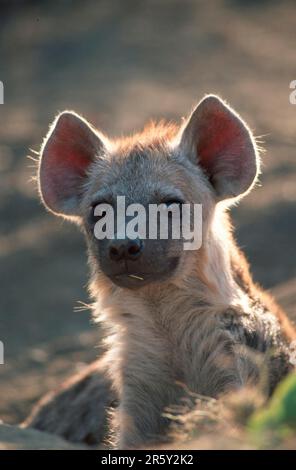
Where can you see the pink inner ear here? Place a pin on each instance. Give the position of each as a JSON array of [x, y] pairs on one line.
[[73, 144], [219, 142], [74, 160]]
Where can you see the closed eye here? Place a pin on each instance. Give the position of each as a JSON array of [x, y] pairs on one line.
[[170, 202], [93, 218]]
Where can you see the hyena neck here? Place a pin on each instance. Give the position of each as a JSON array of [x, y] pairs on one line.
[[218, 276]]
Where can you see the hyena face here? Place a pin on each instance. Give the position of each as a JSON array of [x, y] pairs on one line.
[[210, 158], [145, 176]]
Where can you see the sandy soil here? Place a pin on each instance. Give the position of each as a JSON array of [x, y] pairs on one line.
[[120, 63]]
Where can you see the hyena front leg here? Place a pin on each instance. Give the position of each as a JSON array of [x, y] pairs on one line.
[[140, 419], [148, 389]]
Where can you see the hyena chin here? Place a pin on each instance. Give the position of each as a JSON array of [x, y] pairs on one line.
[[181, 321]]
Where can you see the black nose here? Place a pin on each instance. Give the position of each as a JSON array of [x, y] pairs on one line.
[[125, 249]]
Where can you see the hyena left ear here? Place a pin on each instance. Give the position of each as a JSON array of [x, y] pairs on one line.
[[67, 153], [218, 140]]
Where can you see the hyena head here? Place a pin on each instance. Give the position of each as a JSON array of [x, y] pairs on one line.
[[210, 158]]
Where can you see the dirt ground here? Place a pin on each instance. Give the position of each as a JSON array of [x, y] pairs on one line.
[[119, 63]]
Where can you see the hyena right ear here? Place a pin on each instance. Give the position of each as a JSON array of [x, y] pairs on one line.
[[220, 142], [66, 154]]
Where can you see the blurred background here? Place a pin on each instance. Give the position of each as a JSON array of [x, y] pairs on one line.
[[119, 63]]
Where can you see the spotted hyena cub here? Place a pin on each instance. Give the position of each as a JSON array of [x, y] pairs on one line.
[[177, 319]]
